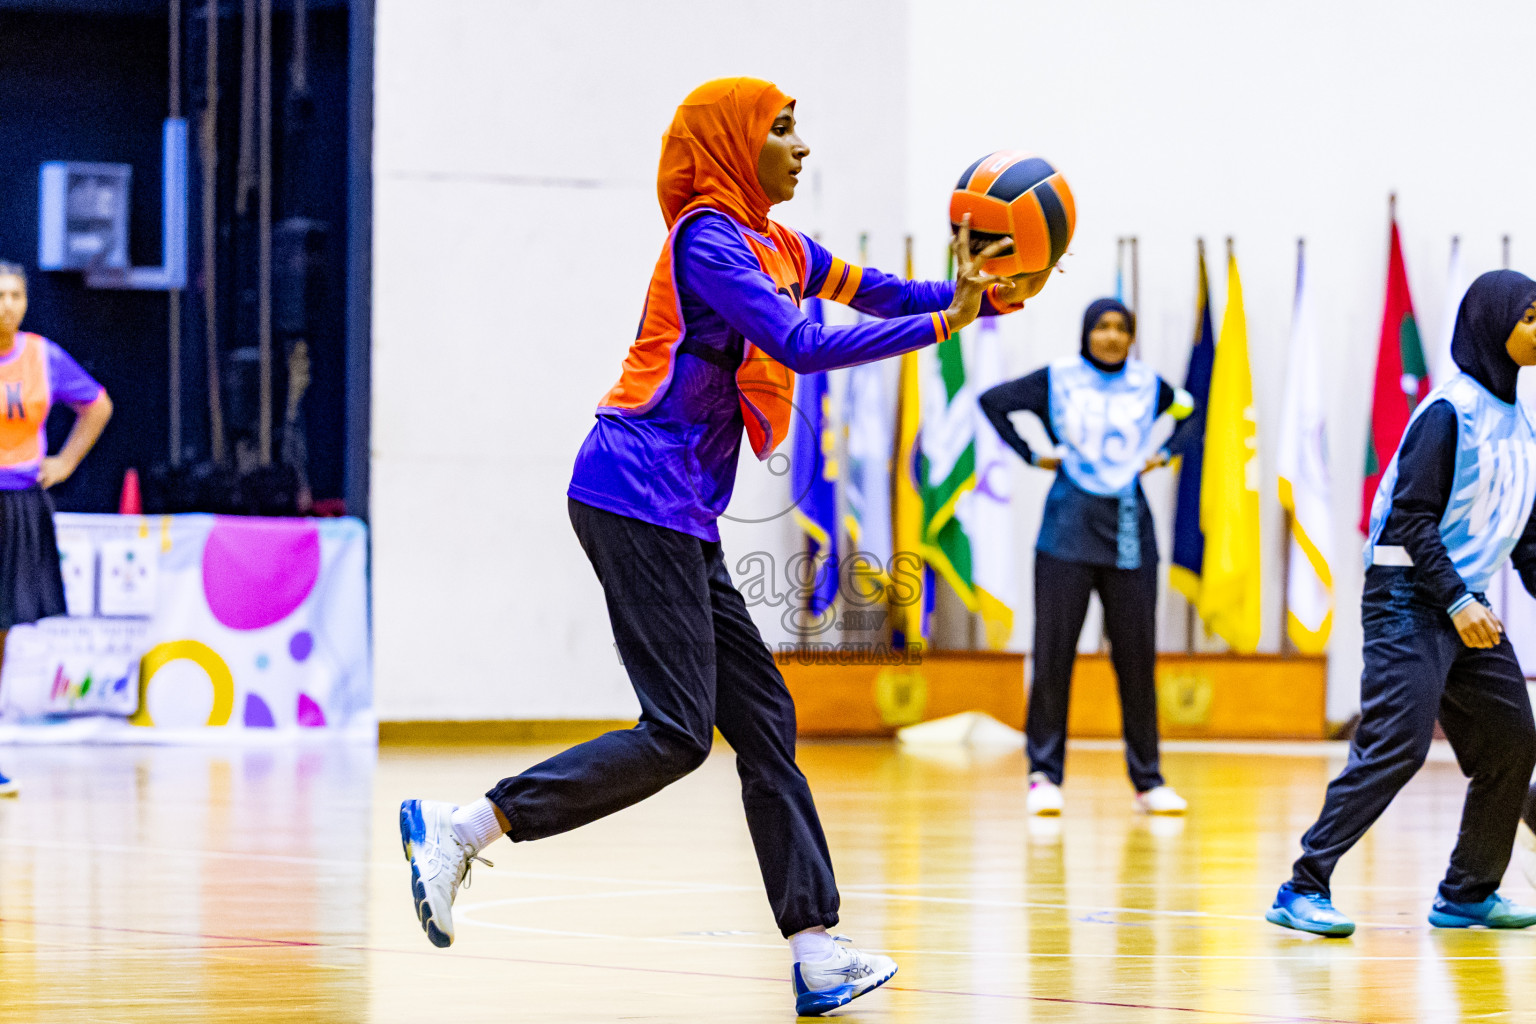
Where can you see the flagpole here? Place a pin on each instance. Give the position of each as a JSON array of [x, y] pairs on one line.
[[1506, 252], [1136, 290], [1226, 303], [1287, 645], [1135, 274], [1189, 606]]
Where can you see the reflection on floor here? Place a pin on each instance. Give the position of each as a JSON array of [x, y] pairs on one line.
[[155, 884]]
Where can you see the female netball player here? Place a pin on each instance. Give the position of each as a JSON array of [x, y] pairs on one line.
[[34, 374], [1099, 408], [720, 339], [1454, 503]]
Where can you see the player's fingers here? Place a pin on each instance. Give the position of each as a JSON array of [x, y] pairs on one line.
[[993, 249], [965, 241]]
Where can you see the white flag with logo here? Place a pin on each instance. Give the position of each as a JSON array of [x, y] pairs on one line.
[[1304, 477], [985, 510], [871, 419]]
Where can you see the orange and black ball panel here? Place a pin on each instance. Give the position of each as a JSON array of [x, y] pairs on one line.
[[1016, 194]]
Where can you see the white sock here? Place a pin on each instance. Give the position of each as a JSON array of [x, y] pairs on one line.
[[811, 944], [476, 825]]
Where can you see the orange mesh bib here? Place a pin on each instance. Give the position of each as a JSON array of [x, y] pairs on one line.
[[766, 386], [24, 402]]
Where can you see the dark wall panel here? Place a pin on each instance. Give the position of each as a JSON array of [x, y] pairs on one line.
[[88, 82]]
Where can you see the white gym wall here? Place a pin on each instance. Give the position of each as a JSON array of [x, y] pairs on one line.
[[510, 262]]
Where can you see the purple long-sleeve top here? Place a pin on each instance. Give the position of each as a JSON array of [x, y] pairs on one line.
[[675, 464]]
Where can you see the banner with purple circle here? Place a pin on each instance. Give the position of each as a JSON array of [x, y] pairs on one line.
[[236, 623]]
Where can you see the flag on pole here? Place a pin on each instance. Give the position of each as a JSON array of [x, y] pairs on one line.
[[813, 476], [906, 565], [1188, 541], [870, 422], [1229, 486], [1402, 380], [871, 427], [986, 511], [947, 463], [1304, 477], [1441, 366]]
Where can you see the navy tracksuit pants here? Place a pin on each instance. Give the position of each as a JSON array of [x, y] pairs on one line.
[[696, 661], [1129, 596], [1417, 668]]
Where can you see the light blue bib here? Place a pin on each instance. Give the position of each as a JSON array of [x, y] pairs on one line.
[[1494, 486], [1104, 421]]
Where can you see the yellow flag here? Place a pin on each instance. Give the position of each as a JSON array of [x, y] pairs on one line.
[[905, 592], [906, 568], [1229, 486]]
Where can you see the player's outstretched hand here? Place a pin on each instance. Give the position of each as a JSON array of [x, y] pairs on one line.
[[1478, 626], [971, 282]]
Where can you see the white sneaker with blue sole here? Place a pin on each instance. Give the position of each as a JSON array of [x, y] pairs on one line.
[[440, 863], [822, 985]]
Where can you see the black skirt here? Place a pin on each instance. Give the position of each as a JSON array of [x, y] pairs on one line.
[[31, 585]]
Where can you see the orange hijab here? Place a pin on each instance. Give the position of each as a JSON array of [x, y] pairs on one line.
[[709, 153]]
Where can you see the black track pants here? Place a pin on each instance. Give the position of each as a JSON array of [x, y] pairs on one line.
[[696, 662], [1129, 597], [1417, 668]]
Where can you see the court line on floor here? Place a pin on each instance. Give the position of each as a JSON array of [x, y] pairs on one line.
[[898, 897], [393, 865], [666, 886], [462, 916], [256, 942]]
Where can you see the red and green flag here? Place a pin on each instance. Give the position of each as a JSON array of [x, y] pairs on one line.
[[1402, 379]]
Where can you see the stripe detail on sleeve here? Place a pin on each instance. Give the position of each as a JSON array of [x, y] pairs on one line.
[[842, 282], [1183, 404], [940, 327], [999, 305]]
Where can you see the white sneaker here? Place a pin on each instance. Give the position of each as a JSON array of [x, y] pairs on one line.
[[1161, 800], [439, 864], [1044, 795], [1525, 851], [822, 985]]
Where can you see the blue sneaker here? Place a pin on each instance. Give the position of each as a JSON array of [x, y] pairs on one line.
[[9, 787], [439, 865], [822, 985], [1308, 912], [1493, 912]]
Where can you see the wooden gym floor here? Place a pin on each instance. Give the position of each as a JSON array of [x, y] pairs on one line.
[[157, 884]]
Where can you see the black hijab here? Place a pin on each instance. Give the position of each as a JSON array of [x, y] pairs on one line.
[[1491, 309], [1096, 309]]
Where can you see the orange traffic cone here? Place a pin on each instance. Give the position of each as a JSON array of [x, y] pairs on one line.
[[130, 504]]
